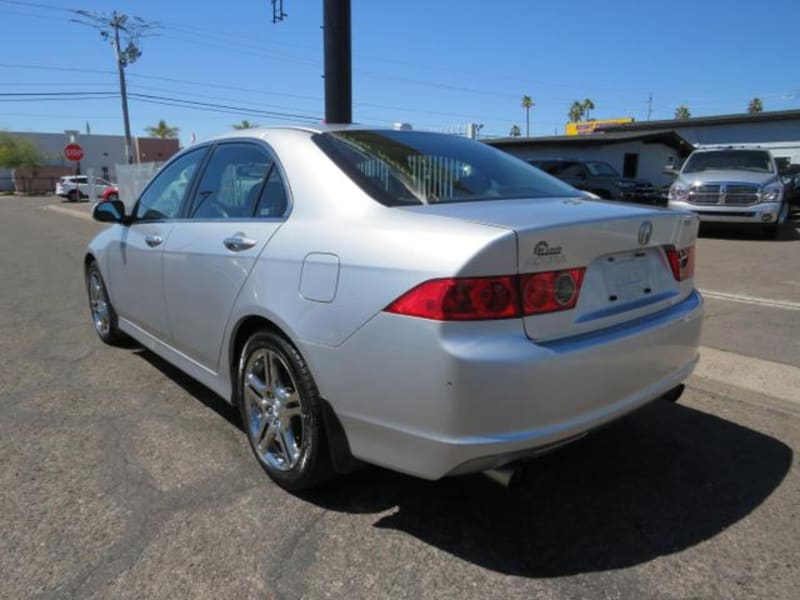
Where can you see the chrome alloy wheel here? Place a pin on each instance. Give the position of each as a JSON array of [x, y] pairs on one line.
[[274, 410], [98, 302]]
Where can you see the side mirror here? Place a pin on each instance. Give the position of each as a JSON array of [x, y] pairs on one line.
[[110, 211], [670, 170]]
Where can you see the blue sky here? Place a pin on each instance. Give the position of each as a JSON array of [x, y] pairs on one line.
[[435, 64]]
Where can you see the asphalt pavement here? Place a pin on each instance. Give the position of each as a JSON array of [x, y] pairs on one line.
[[121, 477]]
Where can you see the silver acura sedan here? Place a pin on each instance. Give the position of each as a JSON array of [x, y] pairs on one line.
[[413, 300]]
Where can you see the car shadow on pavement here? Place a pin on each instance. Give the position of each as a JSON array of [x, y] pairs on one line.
[[657, 482], [191, 386], [664, 479], [787, 233]]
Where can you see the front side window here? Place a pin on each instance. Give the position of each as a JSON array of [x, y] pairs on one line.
[[573, 169], [724, 160], [410, 167], [601, 168], [232, 182], [164, 196]]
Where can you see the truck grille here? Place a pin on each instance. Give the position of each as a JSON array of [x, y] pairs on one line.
[[741, 194], [735, 194], [705, 194]]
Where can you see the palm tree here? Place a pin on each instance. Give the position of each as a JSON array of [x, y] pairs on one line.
[[527, 104], [245, 124], [682, 112], [162, 130], [587, 106], [755, 106], [576, 111], [515, 131]]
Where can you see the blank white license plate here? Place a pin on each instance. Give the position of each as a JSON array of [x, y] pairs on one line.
[[627, 277]]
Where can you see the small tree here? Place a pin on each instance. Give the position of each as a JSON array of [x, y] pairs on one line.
[[576, 111], [587, 106], [515, 131], [682, 112], [755, 106], [18, 152], [245, 124], [527, 104], [162, 130]]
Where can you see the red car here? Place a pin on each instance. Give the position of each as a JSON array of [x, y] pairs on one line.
[[110, 193]]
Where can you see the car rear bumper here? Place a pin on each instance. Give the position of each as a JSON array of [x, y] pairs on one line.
[[761, 213], [435, 399]]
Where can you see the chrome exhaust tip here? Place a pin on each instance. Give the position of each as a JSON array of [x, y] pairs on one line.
[[509, 476]]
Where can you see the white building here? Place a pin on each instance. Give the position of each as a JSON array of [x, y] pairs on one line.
[[641, 155]]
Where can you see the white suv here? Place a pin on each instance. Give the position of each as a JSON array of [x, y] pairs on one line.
[[75, 187]]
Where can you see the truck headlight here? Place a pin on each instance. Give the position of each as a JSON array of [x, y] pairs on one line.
[[679, 192], [772, 192]]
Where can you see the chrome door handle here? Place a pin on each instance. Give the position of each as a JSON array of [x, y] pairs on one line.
[[153, 240], [238, 242]]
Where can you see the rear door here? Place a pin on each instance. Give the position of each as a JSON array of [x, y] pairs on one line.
[[134, 260], [238, 205]]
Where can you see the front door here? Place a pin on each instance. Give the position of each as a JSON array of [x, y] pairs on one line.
[[238, 205], [134, 261]]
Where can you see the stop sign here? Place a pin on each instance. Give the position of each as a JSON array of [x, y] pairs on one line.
[[73, 152]]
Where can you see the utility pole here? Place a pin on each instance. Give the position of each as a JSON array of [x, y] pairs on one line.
[[338, 57], [650, 106], [338, 63], [133, 29], [123, 88]]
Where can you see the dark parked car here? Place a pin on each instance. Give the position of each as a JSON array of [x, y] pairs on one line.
[[599, 178]]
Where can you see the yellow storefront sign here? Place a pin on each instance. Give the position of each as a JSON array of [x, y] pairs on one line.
[[587, 127]]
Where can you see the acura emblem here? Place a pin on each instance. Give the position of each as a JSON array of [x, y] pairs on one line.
[[645, 231]]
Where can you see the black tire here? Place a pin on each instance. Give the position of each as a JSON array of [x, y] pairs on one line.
[[313, 463], [108, 331], [773, 230], [73, 196]]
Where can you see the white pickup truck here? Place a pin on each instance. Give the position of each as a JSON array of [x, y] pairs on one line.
[[732, 185]]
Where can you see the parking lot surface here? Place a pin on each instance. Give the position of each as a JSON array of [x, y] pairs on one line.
[[121, 477]]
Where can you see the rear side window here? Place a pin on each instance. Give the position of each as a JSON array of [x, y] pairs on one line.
[[411, 167], [273, 201], [164, 196], [232, 182]]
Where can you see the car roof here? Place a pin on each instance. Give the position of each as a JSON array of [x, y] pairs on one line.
[[261, 132]]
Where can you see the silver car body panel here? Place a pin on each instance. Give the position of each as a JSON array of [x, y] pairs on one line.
[[420, 396]]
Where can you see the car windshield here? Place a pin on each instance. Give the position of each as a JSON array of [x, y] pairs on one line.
[[724, 160], [410, 167], [597, 167]]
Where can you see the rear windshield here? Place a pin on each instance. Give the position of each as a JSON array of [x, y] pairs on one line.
[[400, 168], [723, 160]]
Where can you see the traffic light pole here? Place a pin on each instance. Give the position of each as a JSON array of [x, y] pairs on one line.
[[338, 63]]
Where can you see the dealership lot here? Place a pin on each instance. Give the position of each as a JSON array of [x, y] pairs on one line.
[[122, 477]]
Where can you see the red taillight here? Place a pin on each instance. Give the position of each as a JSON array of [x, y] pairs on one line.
[[481, 298], [681, 262], [462, 299], [551, 291]]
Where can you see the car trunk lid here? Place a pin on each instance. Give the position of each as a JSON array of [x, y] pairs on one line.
[[622, 247]]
